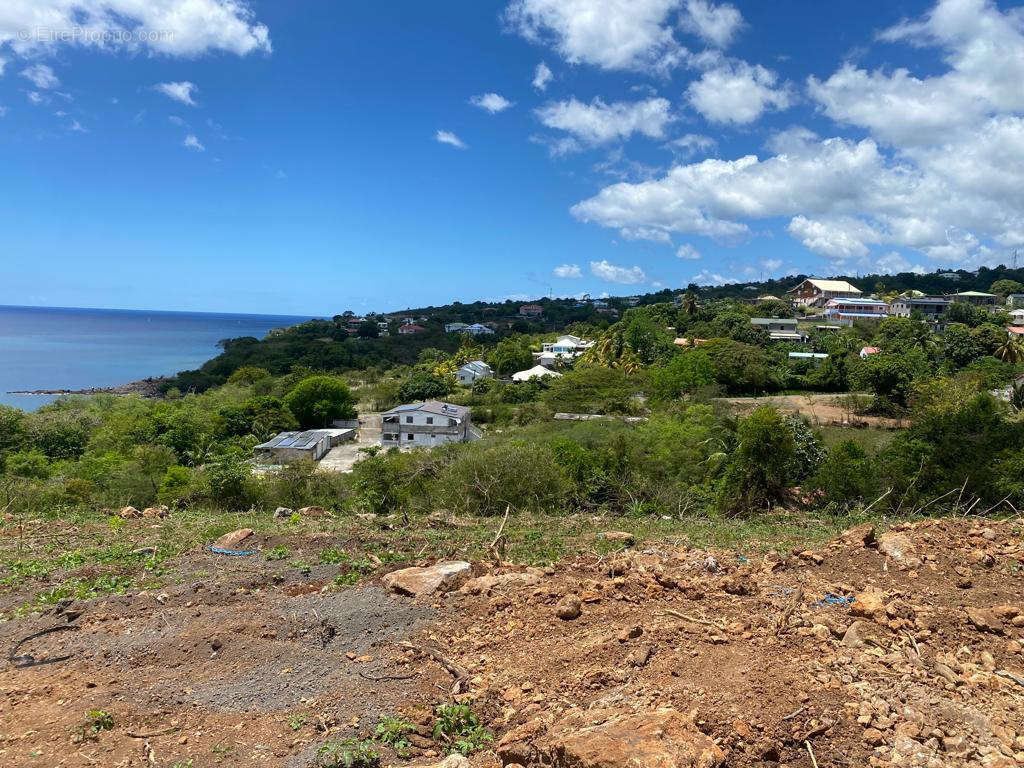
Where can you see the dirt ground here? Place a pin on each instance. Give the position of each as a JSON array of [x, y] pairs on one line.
[[821, 409], [905, 651]]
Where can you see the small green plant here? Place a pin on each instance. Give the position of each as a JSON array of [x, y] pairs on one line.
[[184, 764], [277, 553], [458, 729], [99, 720], [394, 731], [334, 556], [222, 750], [295, 518], [301, 566], [116, 523], [350, 753], [296, 722]]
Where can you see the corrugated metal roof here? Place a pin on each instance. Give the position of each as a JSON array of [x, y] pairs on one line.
[[432, 406], [838, 286]]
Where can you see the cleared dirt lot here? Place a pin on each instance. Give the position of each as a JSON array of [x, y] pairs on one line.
[[903, 652], [821, 409]]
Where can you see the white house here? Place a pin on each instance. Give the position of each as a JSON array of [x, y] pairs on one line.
[[473, 371], [478, 329], [424, 425], [566, 348], [455, 327], [779, 328], [538, 371]]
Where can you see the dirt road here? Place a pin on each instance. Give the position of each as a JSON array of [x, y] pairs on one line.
[[343, 457]]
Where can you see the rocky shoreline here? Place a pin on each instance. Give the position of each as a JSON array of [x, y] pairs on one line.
[[149, 387]]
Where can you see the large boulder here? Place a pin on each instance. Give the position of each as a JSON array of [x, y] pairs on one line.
[[234, 539], [900, 548], [662, 738], [859, 536], [484, 585], [433, 580]]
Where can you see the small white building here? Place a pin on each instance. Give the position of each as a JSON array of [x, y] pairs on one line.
[[424, 425], [779, 328], [474, 371], [478, 329], [455, 327], [537, 372]]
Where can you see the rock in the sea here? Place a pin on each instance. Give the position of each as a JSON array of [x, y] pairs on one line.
[[662, 738], [569, 608], [435, 579], [233, 539]]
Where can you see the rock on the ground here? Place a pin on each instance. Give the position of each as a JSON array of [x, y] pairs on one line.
[[900, 548], [863, 633], [435, 579], [160, 511], [662, 738], [452, 761], [569, 608], [312, 512], [868, 604], [484, 585], [233, 539], [283, 512], [129, 513], [985, 620], [859, 536]]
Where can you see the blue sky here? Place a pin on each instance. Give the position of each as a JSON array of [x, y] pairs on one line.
[[314, 156]]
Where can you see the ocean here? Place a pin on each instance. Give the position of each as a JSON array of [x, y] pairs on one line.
[[58, 348]]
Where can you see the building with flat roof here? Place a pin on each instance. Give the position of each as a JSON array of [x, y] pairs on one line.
[[846, 311], [311, 444], [978, 298], [814, 292], [931, 307]]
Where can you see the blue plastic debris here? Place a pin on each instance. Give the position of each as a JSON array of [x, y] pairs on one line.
[[233, 552], [831, 599]]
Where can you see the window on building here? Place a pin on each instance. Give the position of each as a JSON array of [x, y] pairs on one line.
[[410, 436], [408, 419], [390, 436], [430, 419], [452, 422]]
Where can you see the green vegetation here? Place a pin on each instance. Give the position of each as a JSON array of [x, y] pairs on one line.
[[459, 730], [394, 731], [348, 753]]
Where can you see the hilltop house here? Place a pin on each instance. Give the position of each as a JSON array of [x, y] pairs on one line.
[[779, 328], [565, 349], [531, 310], [455, 327], [814, 292], [471, 372], [1015, 300], [931, 307], [410, 328], [974, 297], [845, 311], [478, 329], [423, 425]]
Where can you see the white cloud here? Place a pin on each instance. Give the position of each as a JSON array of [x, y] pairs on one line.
[[172, 27], [36, 98], [3, 111], [611, 34], [599, 123], [737, 92], [568, 271], [717, 24], [175, 120], [688, 252], [613, 273], [77, 127], [894, 262], [838, 238], [41, 76], [447, 137], [690, 145], [3, 63], [541, 76], [492, 102], [653, 234], [940, 171], [179, 91], [193, 143], [771, 264], [707, 277]]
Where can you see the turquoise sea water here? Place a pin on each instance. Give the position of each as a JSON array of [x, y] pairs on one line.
[[57, 348]]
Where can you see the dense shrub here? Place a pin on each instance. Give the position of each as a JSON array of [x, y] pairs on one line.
[[320, 400], [758, 470]]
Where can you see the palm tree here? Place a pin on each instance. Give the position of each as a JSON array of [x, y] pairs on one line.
[[690, 304], [1010, 351]]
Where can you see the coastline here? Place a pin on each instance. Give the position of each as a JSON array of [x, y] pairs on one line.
[[148, 388]]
